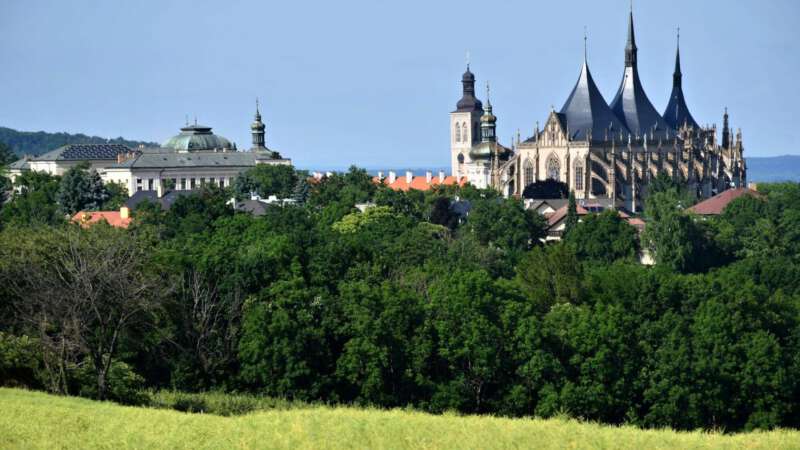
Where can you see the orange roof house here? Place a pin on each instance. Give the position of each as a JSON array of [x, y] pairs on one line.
[[118, 219], [420, 183], [716, 204]]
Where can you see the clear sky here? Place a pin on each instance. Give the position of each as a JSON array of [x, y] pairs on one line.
[[372, 82]]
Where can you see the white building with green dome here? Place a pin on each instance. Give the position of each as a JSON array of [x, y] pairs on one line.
[[193, 158]]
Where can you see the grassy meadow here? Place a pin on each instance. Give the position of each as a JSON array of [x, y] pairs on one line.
[[38, 420]]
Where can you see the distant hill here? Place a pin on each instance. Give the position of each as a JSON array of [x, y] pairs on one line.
[[774, 168], [38, 142]]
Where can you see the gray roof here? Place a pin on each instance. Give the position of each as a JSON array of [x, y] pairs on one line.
[[169, 160], [253, 207], [677, 113], [586, 109], [631, 104], [20, 164], [83, 152]]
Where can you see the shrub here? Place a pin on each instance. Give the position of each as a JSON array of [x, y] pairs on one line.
[[124, 385], [20, 361]]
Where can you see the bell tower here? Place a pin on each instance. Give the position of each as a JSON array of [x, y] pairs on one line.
[[464, 125], [258, 130]]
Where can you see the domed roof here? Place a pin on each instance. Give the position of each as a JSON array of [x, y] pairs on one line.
[[196, 138], [486, 150]]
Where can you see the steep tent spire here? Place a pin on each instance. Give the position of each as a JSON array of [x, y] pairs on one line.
[[586, 111], [677, 113], [631, 104]]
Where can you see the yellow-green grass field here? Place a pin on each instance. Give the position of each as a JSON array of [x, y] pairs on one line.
[[37, 420]]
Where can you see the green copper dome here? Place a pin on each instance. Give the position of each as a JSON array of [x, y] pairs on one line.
[[486, 150], [197, 137]]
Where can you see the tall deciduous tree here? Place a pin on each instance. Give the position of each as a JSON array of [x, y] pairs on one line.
[[83, 291], [266, 180], [81, 189]]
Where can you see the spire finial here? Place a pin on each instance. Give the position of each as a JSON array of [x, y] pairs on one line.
[[630, 47], [195, 120], [585, 52], [257, 111], [487, 91], [676, 76], [467, 57], [186, 116]]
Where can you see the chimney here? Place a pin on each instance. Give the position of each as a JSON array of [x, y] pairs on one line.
[[428, 177], [124, 212], [409, 176], [392, 177], [441, 176]]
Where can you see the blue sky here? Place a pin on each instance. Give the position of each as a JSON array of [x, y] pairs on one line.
[[372, 82]]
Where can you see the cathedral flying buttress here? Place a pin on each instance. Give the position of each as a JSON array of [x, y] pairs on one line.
[[599, 151]]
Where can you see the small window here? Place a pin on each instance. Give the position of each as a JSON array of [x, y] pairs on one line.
[[458, 133], [460, 158], [578, 178], [193, 183], [553, 168], [183, 184]]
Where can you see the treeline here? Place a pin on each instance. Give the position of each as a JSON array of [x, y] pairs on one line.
[[35, 143], [410, 303]]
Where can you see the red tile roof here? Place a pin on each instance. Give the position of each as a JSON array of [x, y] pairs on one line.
[[114, 218], [716, 204], [561, 213], [420, 183]]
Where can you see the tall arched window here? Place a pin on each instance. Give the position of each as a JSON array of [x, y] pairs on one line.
[[528, 172], [553, 168], [458, 132], [464, 135], [460, 158], [578, 176]]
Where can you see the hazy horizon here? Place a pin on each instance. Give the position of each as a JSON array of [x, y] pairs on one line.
[[372, 84]]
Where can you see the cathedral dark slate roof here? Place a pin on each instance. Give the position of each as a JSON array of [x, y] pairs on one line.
[[631, 104], [677, 113], [586, 109]]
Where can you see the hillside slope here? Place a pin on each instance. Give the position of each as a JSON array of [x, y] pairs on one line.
[[37, 142], [37, 420]]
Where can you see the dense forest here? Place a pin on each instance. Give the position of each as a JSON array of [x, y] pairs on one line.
[[410, 303], [35, 143]]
